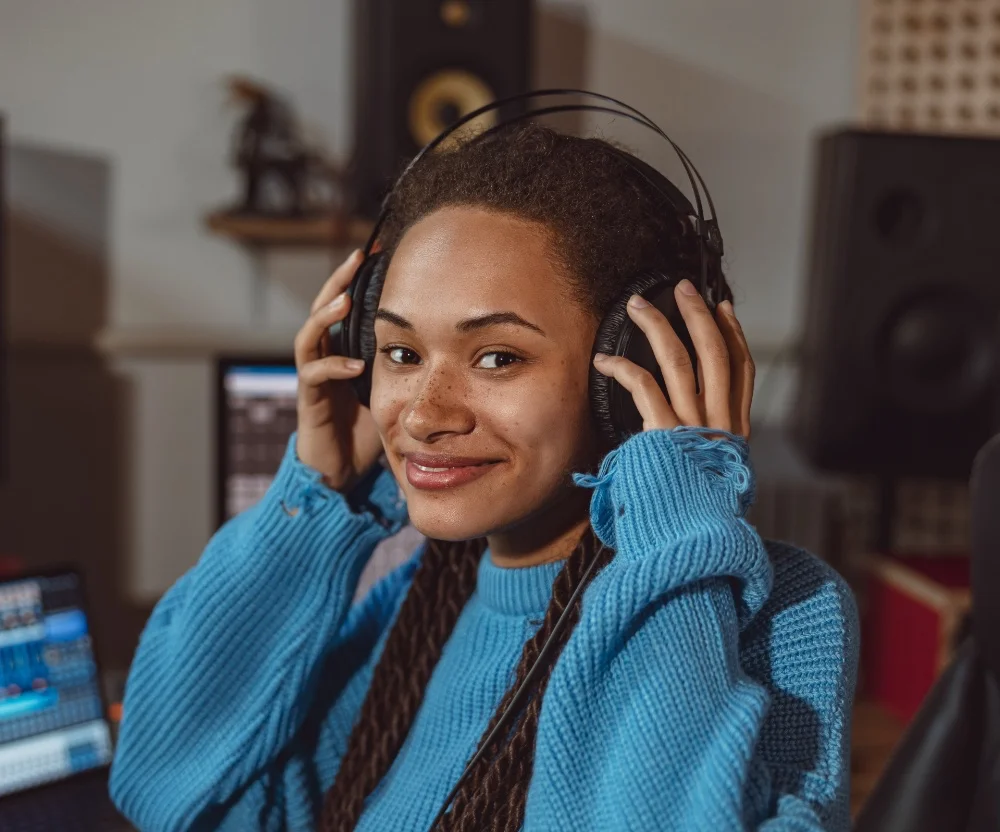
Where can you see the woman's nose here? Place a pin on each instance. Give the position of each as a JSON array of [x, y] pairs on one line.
[[438, 405]]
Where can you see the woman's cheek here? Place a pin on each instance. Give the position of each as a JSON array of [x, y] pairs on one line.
[[388, 397], [538, 416]]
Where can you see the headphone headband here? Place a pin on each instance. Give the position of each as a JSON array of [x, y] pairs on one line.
[[632, 114], [708, 232], [709, 235]]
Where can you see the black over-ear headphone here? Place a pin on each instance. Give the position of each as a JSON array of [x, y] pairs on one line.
[[612, 405]]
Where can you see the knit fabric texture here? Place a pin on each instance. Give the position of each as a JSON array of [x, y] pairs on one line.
[[707, 686]]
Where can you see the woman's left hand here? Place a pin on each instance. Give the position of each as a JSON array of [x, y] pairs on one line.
[[725, 368]]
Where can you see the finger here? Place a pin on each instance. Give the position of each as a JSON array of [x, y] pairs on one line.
[[331, 368], [713, 356], [673, 359], [338, 281], [653, 407], [701, 379], [742, 369], [308, 341]]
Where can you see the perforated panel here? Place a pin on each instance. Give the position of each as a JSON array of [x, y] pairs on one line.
[[931, 65]]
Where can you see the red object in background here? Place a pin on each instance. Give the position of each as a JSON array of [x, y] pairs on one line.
[[913, 610], [10, 566]]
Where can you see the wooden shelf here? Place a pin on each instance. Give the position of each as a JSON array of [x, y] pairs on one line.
[[187, 342], [332, 231]]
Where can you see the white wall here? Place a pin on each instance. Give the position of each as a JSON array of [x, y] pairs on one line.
[[741, 85], [139, 82], [139, 85]]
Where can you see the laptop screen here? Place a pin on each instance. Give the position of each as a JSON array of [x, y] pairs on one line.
[[52, 721]]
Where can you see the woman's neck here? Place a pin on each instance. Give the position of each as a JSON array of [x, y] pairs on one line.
[[549, 535]]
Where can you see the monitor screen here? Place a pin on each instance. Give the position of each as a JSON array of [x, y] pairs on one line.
[[257, 416], [256, 411], [52, 721]]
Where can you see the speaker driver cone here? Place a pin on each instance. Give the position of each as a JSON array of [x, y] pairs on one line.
[[937, 352], [444, 97]]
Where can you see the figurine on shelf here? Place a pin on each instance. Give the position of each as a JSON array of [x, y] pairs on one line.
[[283, 177]]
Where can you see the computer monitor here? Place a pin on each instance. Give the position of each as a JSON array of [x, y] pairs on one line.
[[53, 719], [256, 414]]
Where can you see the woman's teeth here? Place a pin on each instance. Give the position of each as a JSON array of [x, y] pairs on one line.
[[425, 468]]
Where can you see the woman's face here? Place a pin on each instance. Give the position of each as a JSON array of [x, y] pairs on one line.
[[481, 370]]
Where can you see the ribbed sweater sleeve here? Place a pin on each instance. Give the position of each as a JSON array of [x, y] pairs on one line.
[[226, 664], [651, 692], [676, 746]]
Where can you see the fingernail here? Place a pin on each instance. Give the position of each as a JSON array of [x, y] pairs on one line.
[[687, 287], [354, 364], [727, 307], [600, 357], [638, 302], [337, 301]]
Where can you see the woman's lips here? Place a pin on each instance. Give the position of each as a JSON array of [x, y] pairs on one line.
[[448, 477]]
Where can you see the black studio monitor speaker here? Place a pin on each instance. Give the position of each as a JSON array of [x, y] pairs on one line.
[[419, 66], [900, 349]]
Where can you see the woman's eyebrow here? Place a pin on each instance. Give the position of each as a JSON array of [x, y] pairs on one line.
[[467, 325]]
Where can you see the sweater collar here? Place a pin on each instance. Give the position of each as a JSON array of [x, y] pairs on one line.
[[523, 590]]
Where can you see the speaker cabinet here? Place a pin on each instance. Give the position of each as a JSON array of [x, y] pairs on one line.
[[900, 352], [419, 66]]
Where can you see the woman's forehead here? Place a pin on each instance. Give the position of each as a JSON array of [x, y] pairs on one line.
[[471, 261]]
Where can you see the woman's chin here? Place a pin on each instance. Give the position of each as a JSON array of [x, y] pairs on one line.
[[441, 523], [438, 528]]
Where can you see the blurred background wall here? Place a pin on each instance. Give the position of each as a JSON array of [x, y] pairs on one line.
[[742, 86], [134, 89]]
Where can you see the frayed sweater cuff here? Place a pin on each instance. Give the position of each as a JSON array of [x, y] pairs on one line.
[[300, 487]]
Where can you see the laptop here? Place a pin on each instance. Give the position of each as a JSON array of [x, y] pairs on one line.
[[55, 737]]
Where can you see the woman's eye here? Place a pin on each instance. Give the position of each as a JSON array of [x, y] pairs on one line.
[[400, 355], [498, 360]]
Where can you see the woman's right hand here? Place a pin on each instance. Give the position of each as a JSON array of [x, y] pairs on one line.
[[336, 434]]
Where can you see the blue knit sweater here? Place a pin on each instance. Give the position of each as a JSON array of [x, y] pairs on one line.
[[707, 685]]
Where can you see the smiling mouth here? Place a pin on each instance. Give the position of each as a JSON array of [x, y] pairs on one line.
[[434, 478]]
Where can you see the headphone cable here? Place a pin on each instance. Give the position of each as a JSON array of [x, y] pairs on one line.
[[526, 685]]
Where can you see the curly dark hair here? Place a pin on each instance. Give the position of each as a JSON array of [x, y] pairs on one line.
[[605, 223]]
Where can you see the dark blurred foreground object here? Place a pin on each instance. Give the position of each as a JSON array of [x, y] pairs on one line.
[[282, 176], [899, 365], [419, 66], [945, 774]]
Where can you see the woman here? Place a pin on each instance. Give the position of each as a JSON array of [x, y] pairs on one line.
[[686, 694]]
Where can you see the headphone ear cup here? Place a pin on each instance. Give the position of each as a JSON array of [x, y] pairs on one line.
[[343, 335], [363, 309], [612, 405]]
